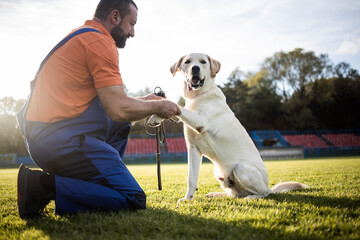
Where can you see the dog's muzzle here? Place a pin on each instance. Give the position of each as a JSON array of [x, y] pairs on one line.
[[195, 81], [195, 85]]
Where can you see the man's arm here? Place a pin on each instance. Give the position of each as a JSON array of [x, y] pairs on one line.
[[121, 108]]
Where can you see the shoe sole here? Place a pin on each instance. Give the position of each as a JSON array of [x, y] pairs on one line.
[[22, 186]]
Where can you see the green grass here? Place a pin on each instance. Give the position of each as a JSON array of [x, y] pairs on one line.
[[330, 209]]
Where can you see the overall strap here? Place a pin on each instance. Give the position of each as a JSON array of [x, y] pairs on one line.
[[21, 115], [82, 30]]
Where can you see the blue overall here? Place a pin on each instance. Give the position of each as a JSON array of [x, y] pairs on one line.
[[85, 155]]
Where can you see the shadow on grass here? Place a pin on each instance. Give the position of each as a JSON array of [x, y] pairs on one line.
[[169, 224], [154, 224], [319, 201]]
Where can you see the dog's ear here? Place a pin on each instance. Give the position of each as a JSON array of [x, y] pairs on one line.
[[176, 66], [214, 67]]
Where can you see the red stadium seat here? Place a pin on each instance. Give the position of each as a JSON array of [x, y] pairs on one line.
[[141, 146], [176, 145], [342, 139], [305, 140]]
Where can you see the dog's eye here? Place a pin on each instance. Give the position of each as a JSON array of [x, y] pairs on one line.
[[187, 61], [203, 62]]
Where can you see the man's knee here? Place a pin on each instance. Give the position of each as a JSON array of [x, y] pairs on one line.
[[137, 200]]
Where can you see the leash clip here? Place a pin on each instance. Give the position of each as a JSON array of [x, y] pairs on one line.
[[159, 92]]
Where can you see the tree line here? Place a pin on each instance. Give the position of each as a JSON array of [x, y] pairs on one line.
[[295, 90], [11, 139]]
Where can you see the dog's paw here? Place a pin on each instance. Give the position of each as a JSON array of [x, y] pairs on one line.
[[216, 194], [154, 121], [256, 196], [180, 201]]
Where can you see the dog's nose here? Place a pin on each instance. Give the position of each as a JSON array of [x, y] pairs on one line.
[[195, 70]]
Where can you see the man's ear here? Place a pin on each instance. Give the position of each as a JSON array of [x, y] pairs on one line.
[[214, 67], [176, 66], [115, 17]]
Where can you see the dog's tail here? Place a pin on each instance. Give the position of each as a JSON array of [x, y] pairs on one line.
[[288, 186]]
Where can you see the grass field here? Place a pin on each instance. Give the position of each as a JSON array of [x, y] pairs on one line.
[[330, 209]]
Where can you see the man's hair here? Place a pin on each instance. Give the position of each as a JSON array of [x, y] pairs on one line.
[[105, 7]]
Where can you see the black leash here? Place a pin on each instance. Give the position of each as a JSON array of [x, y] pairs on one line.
[[160, 138]]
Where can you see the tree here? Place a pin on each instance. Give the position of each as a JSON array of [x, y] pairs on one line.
[[9, 105], [254, 101], [293, 70], [344, 70], [328, 104], [335, 102], [297, 114], [323, 96], [264, 109], [11, 139], [236, 92]]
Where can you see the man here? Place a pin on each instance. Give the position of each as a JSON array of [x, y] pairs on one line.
[[77, 122]]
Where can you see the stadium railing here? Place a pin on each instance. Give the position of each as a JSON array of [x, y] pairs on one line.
[[271, 145]]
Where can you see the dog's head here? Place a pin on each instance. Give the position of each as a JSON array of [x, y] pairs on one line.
[[197, 69]]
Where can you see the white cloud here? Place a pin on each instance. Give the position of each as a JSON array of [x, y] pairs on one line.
[[350, 46]]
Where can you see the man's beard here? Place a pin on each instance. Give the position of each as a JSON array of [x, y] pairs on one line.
[[119, 36]]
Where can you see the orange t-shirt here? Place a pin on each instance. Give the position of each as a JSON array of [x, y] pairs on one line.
[[67, 82]]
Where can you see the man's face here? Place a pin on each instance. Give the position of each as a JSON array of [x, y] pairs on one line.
[[125, 29]]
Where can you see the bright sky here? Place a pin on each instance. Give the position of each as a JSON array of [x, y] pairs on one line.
[[238, 33]]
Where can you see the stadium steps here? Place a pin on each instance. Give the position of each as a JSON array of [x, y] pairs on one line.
[[325, 140], [260, 136]]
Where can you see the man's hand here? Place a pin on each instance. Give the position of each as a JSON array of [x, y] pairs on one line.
[[168, 109], [120, 108]]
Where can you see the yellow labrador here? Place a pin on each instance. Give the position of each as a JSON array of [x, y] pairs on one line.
[[212, 130]]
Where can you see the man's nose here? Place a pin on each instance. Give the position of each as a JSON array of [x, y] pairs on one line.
[[132, 32]]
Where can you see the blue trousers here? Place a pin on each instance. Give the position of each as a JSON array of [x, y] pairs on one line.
[[85, 154]]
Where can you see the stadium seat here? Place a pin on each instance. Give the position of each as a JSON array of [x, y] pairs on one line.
[[176, 145], [141, 146], [305, 140], [342, 139]]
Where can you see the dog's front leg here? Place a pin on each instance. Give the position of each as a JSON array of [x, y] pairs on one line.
[[194, 162], [193, 120]]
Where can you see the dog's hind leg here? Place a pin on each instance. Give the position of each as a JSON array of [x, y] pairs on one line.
[[194, 162], [217, 194], [252, 181], [224, 181]]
